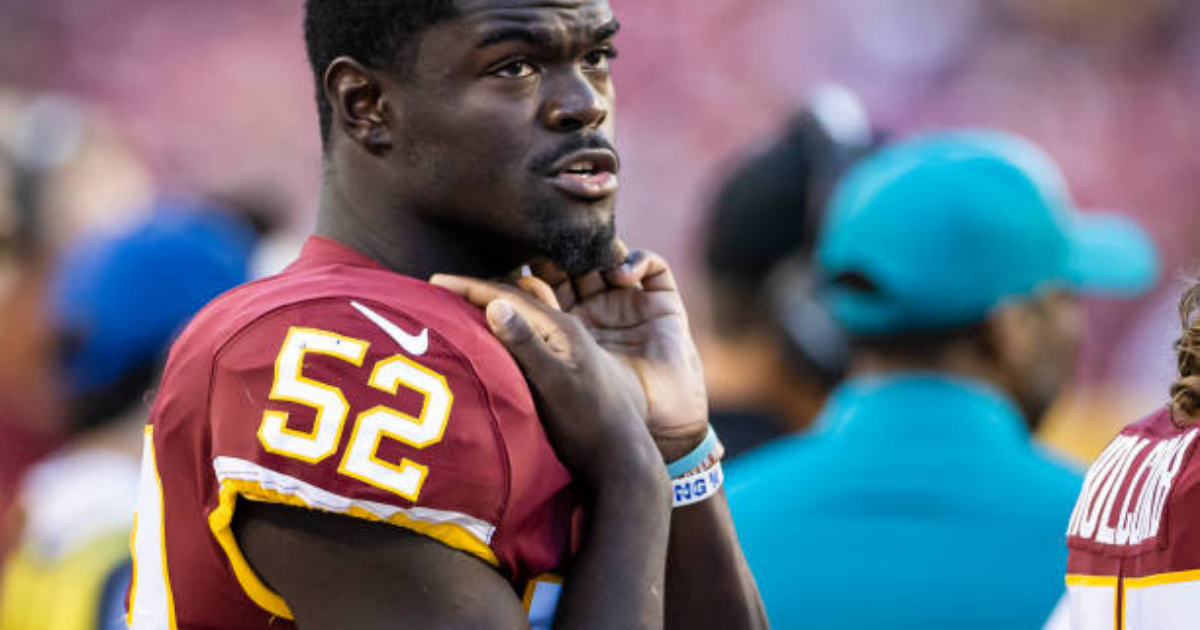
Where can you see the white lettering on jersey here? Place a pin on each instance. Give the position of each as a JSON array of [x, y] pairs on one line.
[[1116, 508], [1083, 519], [1106, 533]]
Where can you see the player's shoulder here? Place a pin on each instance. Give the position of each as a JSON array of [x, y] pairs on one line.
[[1158, 423], [346, 338], [381, 397], [349, 299], [1157, 433], [357, 327], [1147, 467]]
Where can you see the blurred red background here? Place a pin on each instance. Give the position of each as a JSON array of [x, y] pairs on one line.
[[215, 97]]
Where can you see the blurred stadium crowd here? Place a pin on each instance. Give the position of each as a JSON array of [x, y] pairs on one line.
[[118, 117]]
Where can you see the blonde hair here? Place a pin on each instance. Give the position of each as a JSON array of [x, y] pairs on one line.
[[1185, 394]]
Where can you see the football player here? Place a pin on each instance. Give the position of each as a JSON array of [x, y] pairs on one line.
[[1133, 559], [346, 445]]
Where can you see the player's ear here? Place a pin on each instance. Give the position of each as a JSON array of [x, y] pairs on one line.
[[1011, 336], [359, 104]]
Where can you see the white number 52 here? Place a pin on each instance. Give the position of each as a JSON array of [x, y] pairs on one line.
[[361, 459]]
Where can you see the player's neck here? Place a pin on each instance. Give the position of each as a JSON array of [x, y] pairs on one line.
[[401, 240]]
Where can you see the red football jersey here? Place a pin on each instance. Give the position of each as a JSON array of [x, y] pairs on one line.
[[1134, 536], [343, 387]]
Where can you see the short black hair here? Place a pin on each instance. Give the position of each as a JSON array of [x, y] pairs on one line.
[[377, 33], [769, 209]]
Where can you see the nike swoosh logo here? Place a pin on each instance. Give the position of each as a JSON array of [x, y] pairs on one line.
[[415, 345]]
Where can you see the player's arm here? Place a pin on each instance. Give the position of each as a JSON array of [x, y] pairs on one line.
[[635, 313], [594, 412], [709, 583], [337, 572]]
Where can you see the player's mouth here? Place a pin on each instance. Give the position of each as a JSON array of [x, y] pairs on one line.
[[590, 174]]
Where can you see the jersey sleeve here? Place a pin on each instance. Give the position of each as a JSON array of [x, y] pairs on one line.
[[358, 410]]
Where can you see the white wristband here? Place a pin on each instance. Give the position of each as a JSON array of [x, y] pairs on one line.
[[698, 487]]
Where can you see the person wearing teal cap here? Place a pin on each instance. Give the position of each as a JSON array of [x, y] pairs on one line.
[[952, 260]]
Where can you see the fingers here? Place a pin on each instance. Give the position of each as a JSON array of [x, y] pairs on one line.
[[589, 285], [549, 285], [540, 291], [477, 292], [482, 293], [623, 275], [597, 282], [570, 291], [657, 275], [549, 271], [620, 249], [559, 281], [645, 269], [520, 338], [514, 276]]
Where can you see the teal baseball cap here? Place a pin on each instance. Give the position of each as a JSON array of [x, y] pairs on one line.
[[936, 231]]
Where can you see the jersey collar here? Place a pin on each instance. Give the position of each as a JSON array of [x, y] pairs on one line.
[[319, 251]]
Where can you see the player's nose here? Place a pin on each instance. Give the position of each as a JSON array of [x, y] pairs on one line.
[[574, 102]]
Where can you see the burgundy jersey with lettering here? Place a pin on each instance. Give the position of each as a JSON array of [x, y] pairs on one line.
[[1134, 537], [342, 387]]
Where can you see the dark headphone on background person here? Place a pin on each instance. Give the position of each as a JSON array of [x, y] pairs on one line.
[[837, 134]]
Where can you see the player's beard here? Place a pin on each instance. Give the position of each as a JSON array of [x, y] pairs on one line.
[[579, 248], [580, 241]]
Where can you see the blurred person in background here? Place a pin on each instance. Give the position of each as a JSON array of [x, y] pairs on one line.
[[78, 173], [1133, 534], [21, 440], [918, 500], [774, 353], [63, 172], [117, 299]]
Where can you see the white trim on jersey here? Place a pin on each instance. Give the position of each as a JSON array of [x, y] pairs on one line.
[[151, 606], [1060, 617], [1092, 602], [234, 469], [1169, 601], [1162, 603]]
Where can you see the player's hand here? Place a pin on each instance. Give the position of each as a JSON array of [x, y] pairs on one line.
[[636, 313], [589, 400]]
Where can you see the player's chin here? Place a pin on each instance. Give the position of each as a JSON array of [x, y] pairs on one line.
[[579, 244], [571, 208], [553, 209]]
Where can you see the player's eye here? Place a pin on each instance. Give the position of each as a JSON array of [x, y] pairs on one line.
[[600, 58], [516, 69]]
